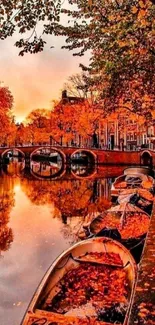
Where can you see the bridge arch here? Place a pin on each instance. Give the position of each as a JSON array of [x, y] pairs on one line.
[[59, 151], [146, 158], [11, 149], [89, 153]]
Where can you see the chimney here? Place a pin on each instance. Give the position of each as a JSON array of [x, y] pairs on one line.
[[64, 94]]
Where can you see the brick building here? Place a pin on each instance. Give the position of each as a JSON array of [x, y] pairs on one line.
[[121, 130], [126, 132]]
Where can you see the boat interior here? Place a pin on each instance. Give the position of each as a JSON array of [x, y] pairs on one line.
[[71, 260]]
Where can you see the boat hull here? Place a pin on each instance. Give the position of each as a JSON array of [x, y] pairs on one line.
[[36, 313], [139, 170], [120, 184]]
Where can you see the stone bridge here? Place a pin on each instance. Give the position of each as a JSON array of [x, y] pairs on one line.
[[98, 156]]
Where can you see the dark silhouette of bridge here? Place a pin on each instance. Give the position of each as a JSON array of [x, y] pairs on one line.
[[65, 152], [95, 155]]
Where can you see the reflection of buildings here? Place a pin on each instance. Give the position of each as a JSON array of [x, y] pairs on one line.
[[103, 188]]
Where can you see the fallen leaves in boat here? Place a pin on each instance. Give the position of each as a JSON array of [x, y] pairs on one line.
[[147, 184], [121, 185], [101, 285], [133, 224], [63, 320], [107, 258], [145, 194]]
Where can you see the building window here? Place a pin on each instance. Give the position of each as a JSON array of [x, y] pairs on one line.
[[144, 138]]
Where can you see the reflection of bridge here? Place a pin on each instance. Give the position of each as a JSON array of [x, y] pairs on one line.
[[95, 155], [68, 174]]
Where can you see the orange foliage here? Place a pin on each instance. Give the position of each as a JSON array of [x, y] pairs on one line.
[[6, 203], [70, 198], [69, 120]]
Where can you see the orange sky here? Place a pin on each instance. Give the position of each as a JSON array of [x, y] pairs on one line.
[[36, 79]]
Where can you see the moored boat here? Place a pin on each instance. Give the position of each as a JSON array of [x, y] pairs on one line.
[[140, 197], [90, 283], [134, 181], [129, 220], [139, 170], [126, 223]]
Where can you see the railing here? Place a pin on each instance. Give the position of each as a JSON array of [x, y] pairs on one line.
[[75, 145]]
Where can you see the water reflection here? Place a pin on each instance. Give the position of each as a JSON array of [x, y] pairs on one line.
[[41, 218], [46, 169], [82, 170], [83, 157], [6, 204], [69, 197], [13, 166], [46, 163]]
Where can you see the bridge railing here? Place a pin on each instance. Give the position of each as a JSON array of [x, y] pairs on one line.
[[66, 145], [70, 145]]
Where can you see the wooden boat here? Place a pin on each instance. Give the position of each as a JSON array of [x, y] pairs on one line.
[[88, 284], [125, 182], [126, 223], [138, 170], [129, 220], [142, 193], [140, 197]]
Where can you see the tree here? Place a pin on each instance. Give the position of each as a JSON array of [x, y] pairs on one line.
[[76, 85], [6, 99], [120, 37], [80, 85], [24, 17], [20, 134], [63, 120], [73, 120], [6, 118], [119, 34], [37, 126]]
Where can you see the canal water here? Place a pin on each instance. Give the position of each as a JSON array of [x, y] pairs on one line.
[[40, 218]]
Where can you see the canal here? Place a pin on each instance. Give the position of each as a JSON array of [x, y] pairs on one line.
[[39, 219]]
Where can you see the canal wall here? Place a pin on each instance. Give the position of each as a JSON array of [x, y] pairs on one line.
[[119, 157], [143, 308]]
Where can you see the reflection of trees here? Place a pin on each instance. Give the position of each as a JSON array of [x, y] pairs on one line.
[[14, 167], [6, 238], [70, 197], [45, 168], [6, 204]]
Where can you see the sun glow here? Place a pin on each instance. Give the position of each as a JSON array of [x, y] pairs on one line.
[[17, 188], [20, 119]]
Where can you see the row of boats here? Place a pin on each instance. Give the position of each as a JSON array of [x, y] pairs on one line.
[[93, 281]]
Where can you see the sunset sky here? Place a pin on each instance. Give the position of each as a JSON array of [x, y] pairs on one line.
[[36, 79]]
